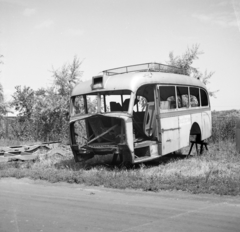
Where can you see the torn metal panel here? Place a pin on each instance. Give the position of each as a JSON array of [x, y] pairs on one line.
[[24, 152]]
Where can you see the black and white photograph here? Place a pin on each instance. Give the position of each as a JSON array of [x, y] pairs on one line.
[[119, 115]]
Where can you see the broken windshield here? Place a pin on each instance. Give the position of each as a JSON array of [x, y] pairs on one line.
[[101, 102]]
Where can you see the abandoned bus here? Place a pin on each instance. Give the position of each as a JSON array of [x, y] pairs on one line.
[[138, 113]]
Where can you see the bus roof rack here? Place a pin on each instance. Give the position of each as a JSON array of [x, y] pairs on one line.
[[147, 67]]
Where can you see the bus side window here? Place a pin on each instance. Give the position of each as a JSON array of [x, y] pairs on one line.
[[194, 97], [77, 105], [204, 98], [172, 102], [182, 95], [167, 97]]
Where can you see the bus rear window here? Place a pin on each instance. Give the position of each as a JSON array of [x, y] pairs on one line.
[[204, 98], [194, 97], [182, 95]]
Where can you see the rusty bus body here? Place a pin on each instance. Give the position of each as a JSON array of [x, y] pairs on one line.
[[138, 112]]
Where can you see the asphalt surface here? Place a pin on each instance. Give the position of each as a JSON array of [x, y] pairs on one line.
[[27, 206]]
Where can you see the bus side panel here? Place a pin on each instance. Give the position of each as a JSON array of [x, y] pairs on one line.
[[185, 127], [170, 134], [206, 124]]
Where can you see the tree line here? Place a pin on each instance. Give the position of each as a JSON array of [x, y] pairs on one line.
[[43, 114]]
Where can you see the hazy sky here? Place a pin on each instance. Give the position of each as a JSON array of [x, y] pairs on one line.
[[38, 35]]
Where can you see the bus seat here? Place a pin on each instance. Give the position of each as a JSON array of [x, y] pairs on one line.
[[149, 119], [115, 106], [125, 104], [172, 104], [164, 105]]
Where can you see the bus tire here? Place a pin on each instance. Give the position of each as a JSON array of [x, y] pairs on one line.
[[178, 152], [195, 131]]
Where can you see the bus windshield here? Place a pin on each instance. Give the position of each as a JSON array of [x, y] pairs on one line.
[[101, 102]]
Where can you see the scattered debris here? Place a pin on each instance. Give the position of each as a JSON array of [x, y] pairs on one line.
[[31, 152]]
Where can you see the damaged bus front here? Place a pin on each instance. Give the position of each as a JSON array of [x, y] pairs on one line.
[[101, 124]]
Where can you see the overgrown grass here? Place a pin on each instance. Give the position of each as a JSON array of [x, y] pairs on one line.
[[216, 171], [224, 125]]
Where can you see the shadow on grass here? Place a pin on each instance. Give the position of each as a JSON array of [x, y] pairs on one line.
[[106, 161], [166, 159]]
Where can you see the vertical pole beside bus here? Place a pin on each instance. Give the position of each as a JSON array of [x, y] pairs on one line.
[[238, 135], [158, 120]]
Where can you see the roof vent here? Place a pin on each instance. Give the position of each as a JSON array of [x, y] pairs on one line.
[[97, 82]]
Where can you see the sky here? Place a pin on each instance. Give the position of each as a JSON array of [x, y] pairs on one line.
[[38, 36]]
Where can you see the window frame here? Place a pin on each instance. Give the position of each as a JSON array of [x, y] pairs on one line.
[[207, 97], [197, 98], [183, 86], [189, 97]]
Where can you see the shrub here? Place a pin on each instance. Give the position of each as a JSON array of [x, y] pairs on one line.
[[224, 125]]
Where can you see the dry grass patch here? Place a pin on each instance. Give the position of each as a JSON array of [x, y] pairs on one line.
[[216, 171]]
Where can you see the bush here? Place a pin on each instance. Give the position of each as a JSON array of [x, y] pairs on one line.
[[224, 125]]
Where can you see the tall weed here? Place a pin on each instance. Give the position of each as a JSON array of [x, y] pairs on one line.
[[224, 125]]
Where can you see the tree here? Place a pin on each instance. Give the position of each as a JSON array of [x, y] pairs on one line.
[[50, 115], [57, 107], [1, 100], [44, 114], [2, 105], [51, 109], [185, 62], [23, 103], [66, 77]]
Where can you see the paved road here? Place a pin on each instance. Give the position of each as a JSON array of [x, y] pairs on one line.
[[27, 206]]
